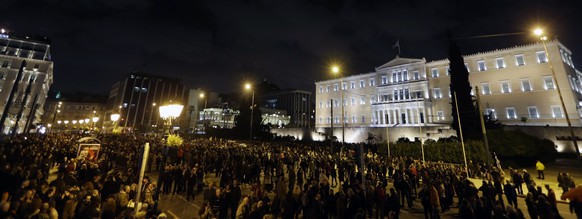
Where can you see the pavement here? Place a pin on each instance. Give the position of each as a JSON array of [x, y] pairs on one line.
[[176, 206]]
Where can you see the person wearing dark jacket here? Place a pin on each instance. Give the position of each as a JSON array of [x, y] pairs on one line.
[[510, 194], [394, 203]]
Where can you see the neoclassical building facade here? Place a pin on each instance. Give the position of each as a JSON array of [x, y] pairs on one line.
[[515, 86]]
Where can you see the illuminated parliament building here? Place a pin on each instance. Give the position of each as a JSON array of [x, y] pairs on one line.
[[411, 98]]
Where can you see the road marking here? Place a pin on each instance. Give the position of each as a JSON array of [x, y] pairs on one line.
[[173, 215]]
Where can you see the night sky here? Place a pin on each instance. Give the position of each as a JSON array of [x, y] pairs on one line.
[[217, 45]]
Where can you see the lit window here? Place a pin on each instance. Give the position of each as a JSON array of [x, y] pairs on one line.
[[416, 75], [485, 89], [541, 55], [440, 115], [548, 83], [320, 89], [533, 112], [505, 87], [344, 86], [434, 72], [405, 75], [335, 103], [448, 70], [327, 88], [353, 101], [320, 104], [320, 119], [467, 67], [557, 112], [372, 82], [500, 63], [436, 93], [353, 85], [362, 101], [362, 83], [363, 119], [525, 85], [519, 61], [481, 65], [384, 80], [491, 113], [354, 120], [335, 87], [511, 114], [345, 102]]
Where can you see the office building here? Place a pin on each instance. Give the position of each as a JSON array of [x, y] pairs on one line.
[[26, 74]]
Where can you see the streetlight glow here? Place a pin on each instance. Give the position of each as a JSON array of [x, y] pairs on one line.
[[335, 69], [115, 117], [248, 86], [95, 119], [538, 32]]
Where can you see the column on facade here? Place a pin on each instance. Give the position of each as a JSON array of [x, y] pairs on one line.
[[406, 116], [383, 112], [389, 115], [396, 114]]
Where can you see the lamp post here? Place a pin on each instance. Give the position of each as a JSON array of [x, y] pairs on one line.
[[170, 112], [540, 33], [114, 118], [57, 110], [249, 87], [167, 112], [336, 70], [95, 119]]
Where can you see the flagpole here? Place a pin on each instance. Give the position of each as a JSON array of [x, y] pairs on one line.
[[461, 133], [398, 41]]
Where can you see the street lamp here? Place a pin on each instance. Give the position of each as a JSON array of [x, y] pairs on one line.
[[540, 33], [114, 118], [249, 87], [95, 120], [170, 111], [335, 69]]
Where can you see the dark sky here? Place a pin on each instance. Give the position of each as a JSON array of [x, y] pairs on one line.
[[217, 45]]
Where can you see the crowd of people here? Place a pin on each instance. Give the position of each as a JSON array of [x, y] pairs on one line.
[[42, 177]]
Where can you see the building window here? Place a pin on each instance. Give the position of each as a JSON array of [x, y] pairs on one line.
[[541, 55], [448, 70], [372, 82], [384, 80], [436, 93], [353, 100], [467, 67], [525, 85], [519, 61], [362, 101], [320, 104], [481, 65], [353, 85], [533, 112], [320, 119], [344, 86], [434, 72], [335, 87], [440, 115], [405, 75], [363, 119], [345, 102], [354, 120], [500, 63], [511, 114], [320, 89], [505, 87], [362, 83], [6, 64], [327, 88], [416, 75], [485, 89], [557, 112], [548, 83], [335, 103], [336, 119], [490, 112]]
